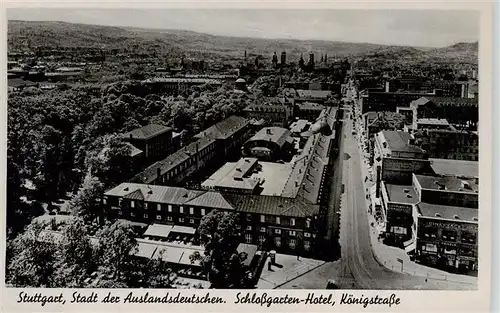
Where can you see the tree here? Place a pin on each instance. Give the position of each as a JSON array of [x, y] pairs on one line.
[[75, 258], [85, 202], [31, 264], [220, 235], [159, 274], [110, 160], [116, 244]]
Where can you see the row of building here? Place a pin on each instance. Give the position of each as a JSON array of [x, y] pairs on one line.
[[278, 186]]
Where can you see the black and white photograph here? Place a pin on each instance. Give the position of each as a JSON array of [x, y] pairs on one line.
[[242, 149]]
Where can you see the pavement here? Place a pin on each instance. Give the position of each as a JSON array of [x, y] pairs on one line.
[[386, 256], [288, 268]]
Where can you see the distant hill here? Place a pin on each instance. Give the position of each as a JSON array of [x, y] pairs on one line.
[[177, 42], [462, 51]]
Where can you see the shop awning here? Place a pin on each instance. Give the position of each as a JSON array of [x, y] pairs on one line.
[[410, 247]]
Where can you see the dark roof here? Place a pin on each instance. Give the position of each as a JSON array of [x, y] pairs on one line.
[[147, 132], [269, 205], [19, 82], [172, 161], [451, 101], [224, 129], [391, 119], [272, 205], [448, 212]]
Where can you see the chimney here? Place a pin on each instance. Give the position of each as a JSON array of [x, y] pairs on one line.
[[131, 136], [158, 172]]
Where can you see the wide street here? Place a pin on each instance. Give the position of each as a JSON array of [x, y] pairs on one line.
[[358, 268]]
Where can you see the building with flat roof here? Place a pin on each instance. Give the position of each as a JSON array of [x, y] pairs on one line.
[[446, 237], [447, 190], [319, 96], [458, 168], [397, 156], [435, 218], [397, 211], [299, 126], [235, 177]]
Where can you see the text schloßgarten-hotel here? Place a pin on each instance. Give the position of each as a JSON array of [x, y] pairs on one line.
[[316, 299]]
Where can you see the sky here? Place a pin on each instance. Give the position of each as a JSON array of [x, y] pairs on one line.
[[424, 28]]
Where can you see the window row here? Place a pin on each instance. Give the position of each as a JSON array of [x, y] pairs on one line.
[[278, 231], [161, 218]]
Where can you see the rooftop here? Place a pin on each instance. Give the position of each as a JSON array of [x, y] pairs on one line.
[[299, 126], [448, 212], [445, 101], [234, 175], [433, 121], [322, 94], [460, 168], [224, 129], [272, 205], [172, 161], [448, 183], [183, 80], [401, 193], [158, 230], [19, 82], [399, 141], [147, 132], [275, 134]]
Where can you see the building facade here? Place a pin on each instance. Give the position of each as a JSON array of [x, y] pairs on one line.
[[154, 141], [265, 221]]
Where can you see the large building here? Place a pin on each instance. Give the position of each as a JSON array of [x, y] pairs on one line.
[[177, 85], [275, 114], [460, 112], [153, 140], [446, 237], [270, 143], [282, 206], [435, 218], [397, 156], [215, 142], [318, 96], [229, 133], [449, 143]]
